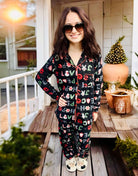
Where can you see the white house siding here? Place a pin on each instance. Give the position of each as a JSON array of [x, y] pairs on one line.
[[115, 26], [135, 41]]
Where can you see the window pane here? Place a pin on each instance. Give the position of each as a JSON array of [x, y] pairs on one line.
[[27, 58], [23, 32], [3, 32], [2, 52]]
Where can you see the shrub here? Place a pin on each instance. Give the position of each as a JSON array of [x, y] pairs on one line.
[[19, 155], [129, 150]]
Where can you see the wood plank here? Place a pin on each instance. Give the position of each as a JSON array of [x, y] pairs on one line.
[[128, 134], [98, 161], [104, 111], [135, 132], [132, 123], [88, 171], [35, 122], [114, 162], [64, 170], [54, 127], [107, 119], [38, 171], [109, 125], [109, 161], [100, 124], [132, 135], [103, 134], [49, 118], [120, 124], [122, 135], [52, 163], [43, 119], [94, 127], [113, 114]]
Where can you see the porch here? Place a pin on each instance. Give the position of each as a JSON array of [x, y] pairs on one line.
[[102, 160]]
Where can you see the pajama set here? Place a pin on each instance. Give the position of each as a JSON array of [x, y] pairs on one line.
[[80, 86]]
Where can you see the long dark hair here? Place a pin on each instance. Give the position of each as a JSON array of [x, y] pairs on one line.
[[89, 43]]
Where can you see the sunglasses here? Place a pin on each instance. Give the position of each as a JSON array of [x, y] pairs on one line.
[[68, 28]]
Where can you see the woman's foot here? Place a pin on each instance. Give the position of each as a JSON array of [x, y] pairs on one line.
[[81, 164], [71, 164]]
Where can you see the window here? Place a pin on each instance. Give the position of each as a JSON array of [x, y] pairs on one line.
[[2, 44], [26, 46], [2, 52], [26, 58]]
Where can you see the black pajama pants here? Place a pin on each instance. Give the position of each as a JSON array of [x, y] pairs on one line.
[[75, 136]]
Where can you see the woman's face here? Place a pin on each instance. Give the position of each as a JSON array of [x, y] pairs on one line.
[[75, 35]]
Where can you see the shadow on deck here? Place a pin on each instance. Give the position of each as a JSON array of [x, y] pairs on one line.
[[102, 160]]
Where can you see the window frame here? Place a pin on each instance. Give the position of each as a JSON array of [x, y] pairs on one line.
[[24, 49], [7, 51]]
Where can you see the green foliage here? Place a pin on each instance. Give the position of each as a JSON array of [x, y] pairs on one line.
[[31, 63], [116, 54], [135, 82], [105, 86], [19, 155], [127, 84], [125, 19], [136, 54], [29, 43], [129, 150]]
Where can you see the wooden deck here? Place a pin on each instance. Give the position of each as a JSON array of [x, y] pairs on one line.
[[108, 125], [102, 160]]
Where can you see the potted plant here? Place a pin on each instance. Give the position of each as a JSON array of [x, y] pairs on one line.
[[115, 73], [115, 70]]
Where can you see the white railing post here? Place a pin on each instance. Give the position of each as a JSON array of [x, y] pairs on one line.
[[25, 89], [7, 82], [8, 104], [35, 89], [17, 99]]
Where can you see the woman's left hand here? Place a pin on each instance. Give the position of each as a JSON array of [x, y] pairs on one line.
[[95, 116]]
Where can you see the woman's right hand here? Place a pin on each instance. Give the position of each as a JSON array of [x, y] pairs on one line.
[[62, 102]]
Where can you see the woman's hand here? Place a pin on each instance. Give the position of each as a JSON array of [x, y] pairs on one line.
[[62, 102], [95, 116]]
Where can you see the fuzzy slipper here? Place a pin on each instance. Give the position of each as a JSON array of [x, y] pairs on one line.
[[71, 164], [81, 164]]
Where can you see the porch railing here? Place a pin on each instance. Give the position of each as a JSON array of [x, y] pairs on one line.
[[15, 78]]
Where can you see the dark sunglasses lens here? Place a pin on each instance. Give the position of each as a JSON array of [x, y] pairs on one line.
[[67, 28], [79, 27]]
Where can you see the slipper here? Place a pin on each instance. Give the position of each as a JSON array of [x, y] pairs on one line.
[[82, 164], [71, 164]]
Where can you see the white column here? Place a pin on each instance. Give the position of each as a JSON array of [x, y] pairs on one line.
[[43, 32], [135, 40]]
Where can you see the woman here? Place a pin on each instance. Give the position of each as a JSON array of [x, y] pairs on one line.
[[76, 63]]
